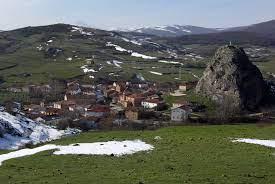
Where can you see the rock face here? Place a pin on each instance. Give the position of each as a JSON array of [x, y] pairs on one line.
[[230, 75]]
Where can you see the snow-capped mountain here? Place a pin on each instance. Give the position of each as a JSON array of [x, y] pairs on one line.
[[264, 28], [175, 30], [17, 131]]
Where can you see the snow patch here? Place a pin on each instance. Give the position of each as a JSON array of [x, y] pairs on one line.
[[267, 143], [87, 70], [117, 47], [81, 31], [116, 148], [156, 73], [131, 41], [135, 54], [170, 62]]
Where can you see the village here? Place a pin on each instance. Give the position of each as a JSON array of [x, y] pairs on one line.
[[133, 104]]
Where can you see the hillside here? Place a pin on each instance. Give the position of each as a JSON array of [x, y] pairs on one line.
[[35, 55], [223, 38], [180, 156], [264, 28], [39, 54], [258, 34]]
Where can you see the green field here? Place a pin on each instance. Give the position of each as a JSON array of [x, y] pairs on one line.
[[202, 154]]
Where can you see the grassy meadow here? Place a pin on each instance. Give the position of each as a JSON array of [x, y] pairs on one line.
[[191, 154]]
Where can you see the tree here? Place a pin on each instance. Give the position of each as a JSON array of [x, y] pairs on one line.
[[227, 110]]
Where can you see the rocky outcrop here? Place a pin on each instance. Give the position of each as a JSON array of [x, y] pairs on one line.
[[230, 75]]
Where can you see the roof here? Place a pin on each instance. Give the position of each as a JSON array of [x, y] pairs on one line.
[[156, 101], [70, 102], [136, 95], [99, 108], [184, 107], [73, 87]]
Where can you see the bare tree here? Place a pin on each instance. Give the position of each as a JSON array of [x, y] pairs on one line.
[[227, 110]]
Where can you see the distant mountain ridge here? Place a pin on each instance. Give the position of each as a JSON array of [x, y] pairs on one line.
[[175, 30], [266, 28]]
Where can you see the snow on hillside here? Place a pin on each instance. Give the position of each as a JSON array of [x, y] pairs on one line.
[[17, 131], [175, 30], [133, 54], [81, 31], [155, 73], [131, 41], [115, 148]]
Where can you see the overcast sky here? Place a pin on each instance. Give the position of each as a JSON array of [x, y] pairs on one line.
[[109, 14]]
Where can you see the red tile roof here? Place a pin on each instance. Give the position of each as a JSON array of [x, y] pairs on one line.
[[99, 108]]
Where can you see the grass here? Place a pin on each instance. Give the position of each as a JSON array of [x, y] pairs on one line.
[[191, 96], [18, 97], [189, 154]]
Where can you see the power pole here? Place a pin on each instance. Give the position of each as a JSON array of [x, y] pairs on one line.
[[180, 73]]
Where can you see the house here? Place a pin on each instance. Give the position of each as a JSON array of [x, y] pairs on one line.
[[135, 99], [180, 114], [133, 114], [63, 104], [44, 89], [52, 112], [35, 109], [120, 87], [73, 88], [57, 105], [187, 86], [153, 104], [131, 100], [98, 111], [89, 91], [180, 103], [110, 93], [137, 81]]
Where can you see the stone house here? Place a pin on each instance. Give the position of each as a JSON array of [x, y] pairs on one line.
[[98, 111], [187, 86], [131, 100], [133, 114], [180, 114], [64, 105]]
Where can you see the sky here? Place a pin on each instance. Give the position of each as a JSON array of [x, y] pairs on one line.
[[111, 14]]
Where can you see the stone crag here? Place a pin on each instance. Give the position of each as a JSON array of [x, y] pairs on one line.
[[230, 75]]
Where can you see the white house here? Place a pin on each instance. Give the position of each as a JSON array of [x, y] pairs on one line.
[[152, 104], [180, 114]]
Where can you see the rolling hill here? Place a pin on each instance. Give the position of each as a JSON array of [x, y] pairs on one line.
[[38, 54]]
